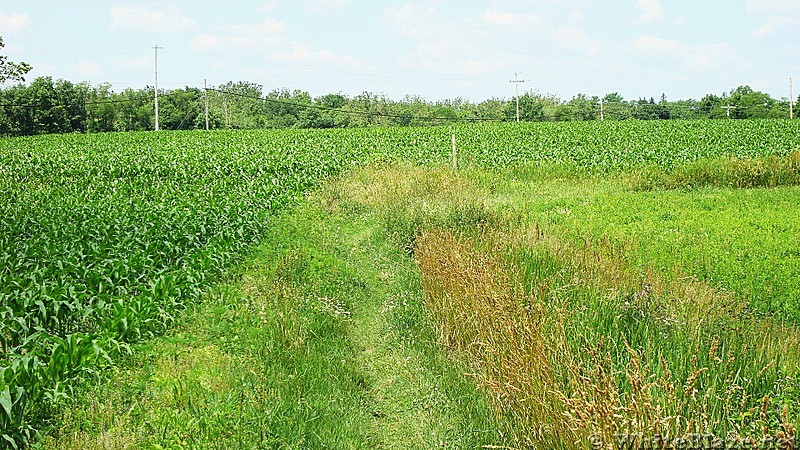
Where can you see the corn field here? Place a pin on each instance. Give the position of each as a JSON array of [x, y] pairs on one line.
[[105, 239]]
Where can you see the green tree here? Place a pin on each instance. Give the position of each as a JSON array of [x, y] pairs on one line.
[[580, 107], [491, 109], [531, 108], [614, 97], [796, 104], [180, 109], [11, 71], [72, 99], [751, 104], [331, 115], [101, 109], [711, 106], [369, 109], [135, 110], [289, 109], [16, 116], [650, 110], [237, 105], [616, 108], [411, 111], [43, 107], [685, 109]]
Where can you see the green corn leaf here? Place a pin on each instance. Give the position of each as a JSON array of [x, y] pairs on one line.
[[6, 403]]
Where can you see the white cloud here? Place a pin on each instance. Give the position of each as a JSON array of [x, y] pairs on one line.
[[781, 15], [269, 40], [132, 63], [649, 11], [324, 6], [576, 16], [301, 54], [497, 39], [135, 18], [269, 27], [494, 17], [413, 20], [13, 22], [453, 57], [775, 24], [772, 6], [712, 57], [658, 46], [42, 69], [12, 48], [577, 38], [269, 6], [268, 33], [86, 69], [310, 6], [700, 57]]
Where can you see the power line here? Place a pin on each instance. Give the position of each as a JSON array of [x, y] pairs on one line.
[[92, 102], [355, 112]]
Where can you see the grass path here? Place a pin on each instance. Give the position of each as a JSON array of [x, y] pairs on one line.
[[419, 400], [319, 341]]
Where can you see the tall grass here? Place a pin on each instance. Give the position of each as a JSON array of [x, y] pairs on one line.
[[736, 172], [578, 348], [579, 344]]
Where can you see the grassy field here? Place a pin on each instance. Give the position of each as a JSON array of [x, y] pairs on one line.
[[584, 335], [571, 282]]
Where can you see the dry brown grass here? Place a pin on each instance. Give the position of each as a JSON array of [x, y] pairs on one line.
[[557, 394], [504, 337]]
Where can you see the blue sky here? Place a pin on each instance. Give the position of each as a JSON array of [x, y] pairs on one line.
[[436, 49]]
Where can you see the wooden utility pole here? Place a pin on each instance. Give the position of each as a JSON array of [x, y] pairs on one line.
[[516, 82], [602, 112], [455, 154], [205, 94], [791, 99], [156, 48]]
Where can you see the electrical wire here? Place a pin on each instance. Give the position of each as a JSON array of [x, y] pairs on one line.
[[93, 102], [356, 112]]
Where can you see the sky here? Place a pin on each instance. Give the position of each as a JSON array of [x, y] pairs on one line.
[[436, 49]]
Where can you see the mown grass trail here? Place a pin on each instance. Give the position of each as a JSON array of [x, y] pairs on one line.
[[319, 341]]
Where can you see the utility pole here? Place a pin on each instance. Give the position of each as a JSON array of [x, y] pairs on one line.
[[205, 95], [455, 154], [602, 112], [516, 82], [156, 48], [729, 108], [791, 99]]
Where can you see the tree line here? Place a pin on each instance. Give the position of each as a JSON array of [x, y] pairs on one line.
[[59, 106]]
